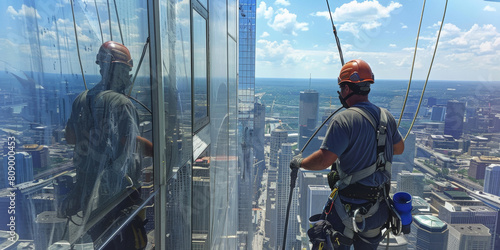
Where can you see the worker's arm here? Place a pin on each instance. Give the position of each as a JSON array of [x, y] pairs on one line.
[[319, 160], [399, 147], [146, 145]]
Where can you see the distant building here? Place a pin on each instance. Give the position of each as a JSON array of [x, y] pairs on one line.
[[468, 236], [492, 180], [39, 154], [478, 165], [307, 179], [317, 198], [308, 118], [454, 119], [428, 232], [438, 113], [443, 141], [278, 137], [408, 155], [452, 213], [23, 168], [412, 183], [282, 194]]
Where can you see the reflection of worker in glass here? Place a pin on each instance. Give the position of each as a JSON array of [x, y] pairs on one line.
[[104, 127]]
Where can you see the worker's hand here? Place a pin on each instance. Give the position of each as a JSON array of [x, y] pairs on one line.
[[296, 161]]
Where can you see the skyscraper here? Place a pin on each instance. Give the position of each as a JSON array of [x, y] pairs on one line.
[[23, 168], [282, 194], [428, 232], [454, 119], [492, 179], [246, 104], [278, 137], [308, 118]]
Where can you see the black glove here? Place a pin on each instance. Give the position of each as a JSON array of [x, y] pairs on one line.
[[296, 162]]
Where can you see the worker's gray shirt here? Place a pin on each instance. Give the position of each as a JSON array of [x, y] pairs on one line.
[[352, 138]]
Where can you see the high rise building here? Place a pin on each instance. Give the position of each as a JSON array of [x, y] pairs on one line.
[[412, 183], [278, 137], [468, 236], [398, 242], [455, 214], [492, 179], [454, 119], [308, 119], [246, 105], [428, 232], [408, 155], [282, 194]]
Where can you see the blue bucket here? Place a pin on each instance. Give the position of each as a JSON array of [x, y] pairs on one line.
[[402, 203]]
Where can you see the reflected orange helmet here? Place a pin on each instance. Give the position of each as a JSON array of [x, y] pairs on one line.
[[114, 52], [356, 71]]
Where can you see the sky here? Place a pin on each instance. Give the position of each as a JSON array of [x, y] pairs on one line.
[[294, 39]]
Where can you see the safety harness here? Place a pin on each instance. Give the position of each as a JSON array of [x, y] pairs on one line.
[[352, 215]]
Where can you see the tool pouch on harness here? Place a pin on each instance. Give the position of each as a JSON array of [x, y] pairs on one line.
[[324, 237]]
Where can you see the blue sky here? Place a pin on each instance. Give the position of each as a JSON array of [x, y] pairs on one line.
[[295, 38]]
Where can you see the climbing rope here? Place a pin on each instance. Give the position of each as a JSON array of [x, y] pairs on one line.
[[99, 20], [429, 72], [412, 65], [77, 45]]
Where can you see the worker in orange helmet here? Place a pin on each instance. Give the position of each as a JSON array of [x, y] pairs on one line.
[[360, 144], [104, 127]]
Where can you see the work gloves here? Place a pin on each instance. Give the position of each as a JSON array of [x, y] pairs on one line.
[[296, 161]]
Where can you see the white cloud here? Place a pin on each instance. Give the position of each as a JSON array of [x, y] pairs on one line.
[[264, 34], [25, 11], [489, 8], [282, 2], [367, 15], [286, 22], [366, 11], [404, 26], [264, 11], [392, 45]]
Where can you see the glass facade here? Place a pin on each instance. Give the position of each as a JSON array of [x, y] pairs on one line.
[[128, 144]]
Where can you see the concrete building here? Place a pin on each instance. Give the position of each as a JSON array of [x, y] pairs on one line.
[[468, 236], [478, 166], [457, 214], [438, 113], [412, 183]]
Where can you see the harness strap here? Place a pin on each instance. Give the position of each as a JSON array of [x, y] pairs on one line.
[[380, 163]]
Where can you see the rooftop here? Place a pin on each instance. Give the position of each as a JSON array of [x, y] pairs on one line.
[[430, 222]]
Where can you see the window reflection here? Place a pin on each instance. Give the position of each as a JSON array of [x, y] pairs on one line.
[[201, 201], [40, 79], [200, 79]]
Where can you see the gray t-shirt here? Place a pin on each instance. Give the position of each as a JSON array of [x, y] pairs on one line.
[[352, 138]]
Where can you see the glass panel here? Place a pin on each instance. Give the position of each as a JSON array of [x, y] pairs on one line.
[[201, 202], [81, 161], [200, 80]]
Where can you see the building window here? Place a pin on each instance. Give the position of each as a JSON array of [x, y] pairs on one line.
[[200, 68]]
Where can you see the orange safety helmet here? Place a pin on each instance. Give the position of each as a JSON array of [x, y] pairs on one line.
[[356, 71], [114, 52]]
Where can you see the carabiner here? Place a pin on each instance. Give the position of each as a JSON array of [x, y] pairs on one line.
[[355, 227]]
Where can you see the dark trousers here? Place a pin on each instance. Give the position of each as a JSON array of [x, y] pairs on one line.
[[375, 221]]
